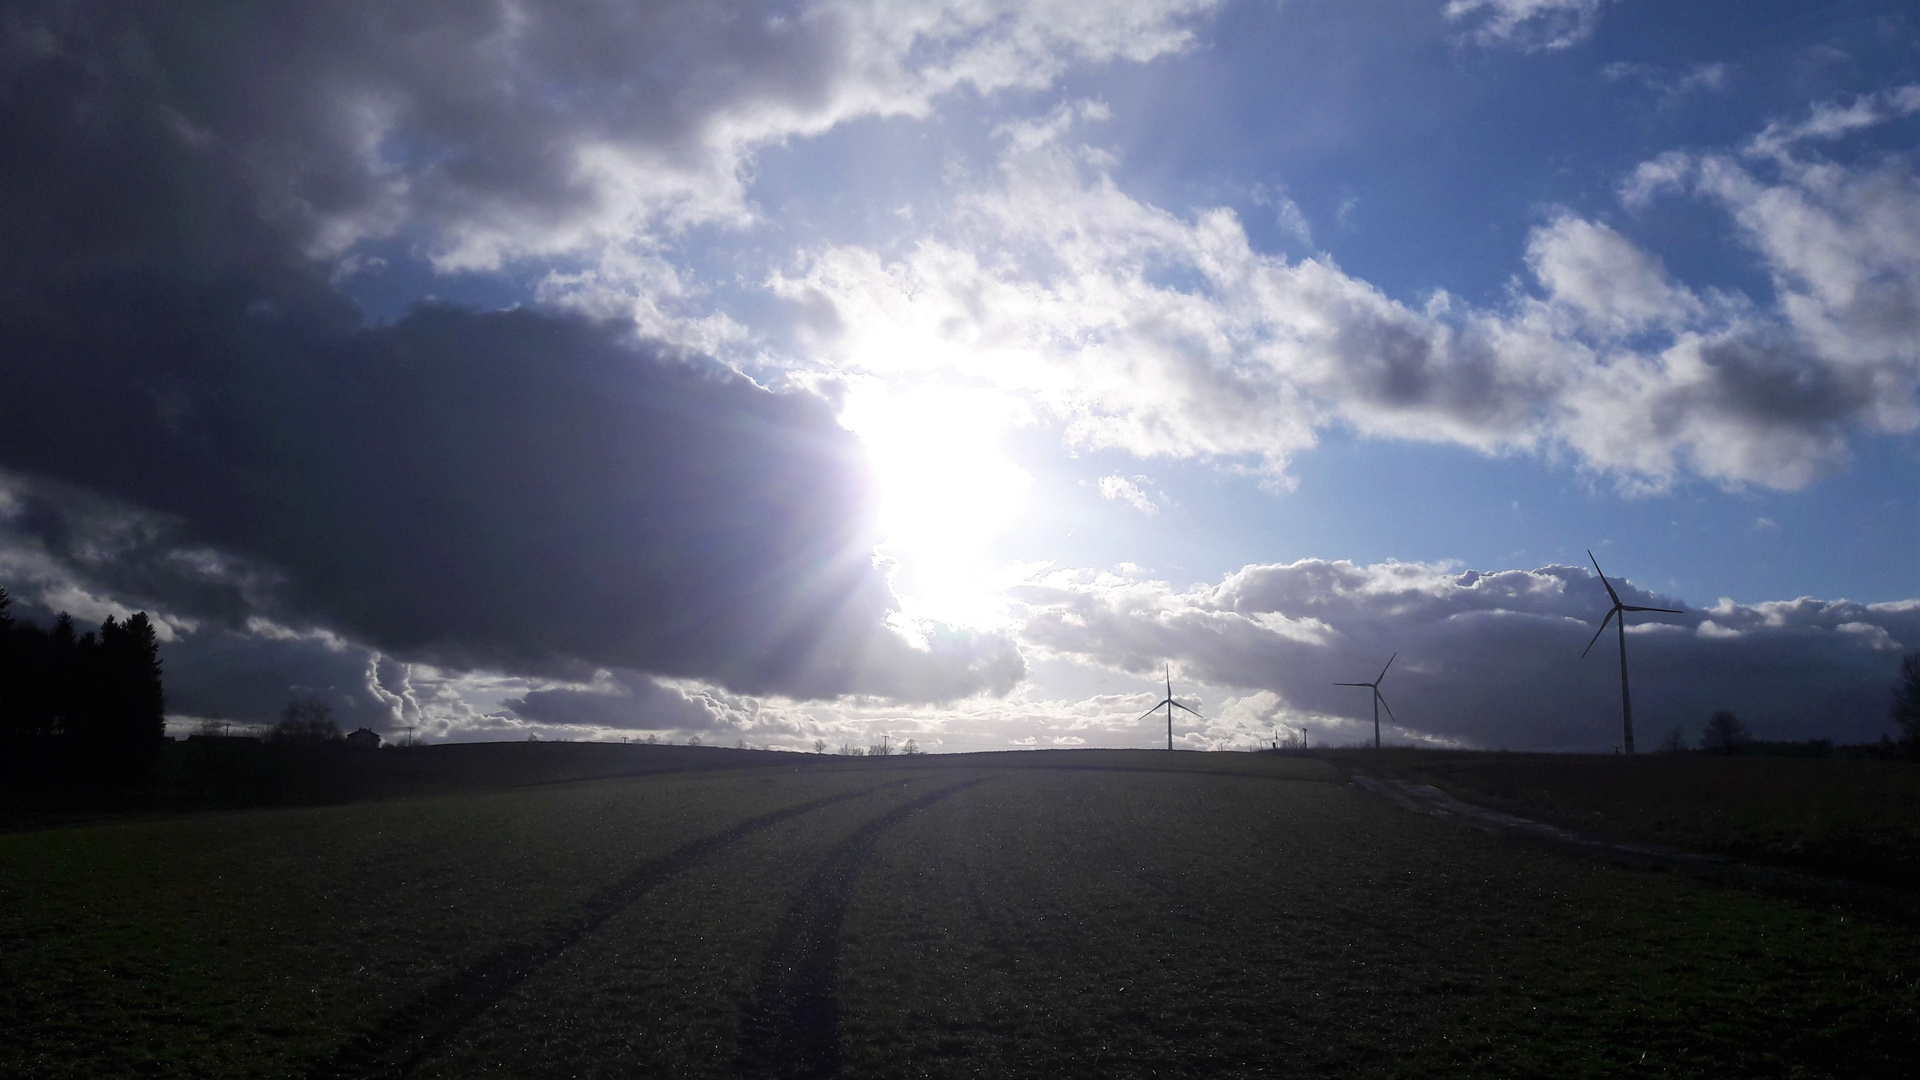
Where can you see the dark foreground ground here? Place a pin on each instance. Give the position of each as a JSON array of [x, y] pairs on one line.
[[1847, 817], [1093, 913]]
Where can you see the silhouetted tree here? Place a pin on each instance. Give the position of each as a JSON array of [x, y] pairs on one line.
[[85, 707], [1724, 732], [1906, 700], [819, 746], [128, 721], [305, 722], [911, 747]]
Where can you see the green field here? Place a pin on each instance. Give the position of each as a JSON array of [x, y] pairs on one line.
[[1086, 913]]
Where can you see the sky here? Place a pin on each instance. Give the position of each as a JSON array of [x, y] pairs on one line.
[[799, 373]]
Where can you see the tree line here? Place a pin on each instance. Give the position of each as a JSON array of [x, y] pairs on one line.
[[79, 707]]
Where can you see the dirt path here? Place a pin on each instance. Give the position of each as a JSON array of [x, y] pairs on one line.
[[394, 1045], [792, 1029], [1898, 904]]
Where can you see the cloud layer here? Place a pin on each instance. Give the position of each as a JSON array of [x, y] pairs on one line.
[[1485, 659]]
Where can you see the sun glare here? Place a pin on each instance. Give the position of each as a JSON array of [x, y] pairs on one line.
[[946, 492]]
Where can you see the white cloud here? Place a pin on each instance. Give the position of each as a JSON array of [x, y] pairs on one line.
[[1834, 120], [1171, 336], [1613, 285], [1120, 489], [1710, 78], [1527, 24]]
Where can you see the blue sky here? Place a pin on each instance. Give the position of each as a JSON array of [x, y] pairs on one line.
[[1226, 335]]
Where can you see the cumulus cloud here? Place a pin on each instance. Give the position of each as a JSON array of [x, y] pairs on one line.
[[1485, 659], [1530, 25], [1153, 333], [1172, 336], [498, 129], [1613, 286], [204, 426]]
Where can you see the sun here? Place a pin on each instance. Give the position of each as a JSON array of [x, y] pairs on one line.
[[947, 492]]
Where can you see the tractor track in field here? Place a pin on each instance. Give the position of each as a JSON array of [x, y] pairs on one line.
[[393, 1046], [1887, 901], [791, 1029]]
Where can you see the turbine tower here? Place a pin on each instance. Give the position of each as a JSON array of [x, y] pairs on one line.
[[1377, 699], [1620, 609], [1170, 704]]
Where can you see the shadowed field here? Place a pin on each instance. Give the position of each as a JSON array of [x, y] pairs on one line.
[[1089, 913], [1855, 818]]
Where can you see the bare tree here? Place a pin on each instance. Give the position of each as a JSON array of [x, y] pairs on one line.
[[911, 747], [693, 740], [819, 746], [1724, 732], [305, 722], [1675, 742]]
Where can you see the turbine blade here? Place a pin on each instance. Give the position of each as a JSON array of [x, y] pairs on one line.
[[1353, 684], [1383, 671], [1603, 577], [1150, 712], [1668, 610], [1177, 705], [1597, 633], [1384, 705]]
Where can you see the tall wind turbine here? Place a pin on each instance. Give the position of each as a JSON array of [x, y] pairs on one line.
[[1620, 609], [1171, 705], [1377, 699]]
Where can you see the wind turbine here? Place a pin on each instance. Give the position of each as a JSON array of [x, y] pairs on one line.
[[1620, 609], [1377, 699], [1171, 705]]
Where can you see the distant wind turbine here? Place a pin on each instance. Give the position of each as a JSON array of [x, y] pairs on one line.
[[1377, 699], [1620, 609], [1171, 705]]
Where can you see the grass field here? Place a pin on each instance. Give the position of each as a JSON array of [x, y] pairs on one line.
[[1852, 817], [1088, 913]]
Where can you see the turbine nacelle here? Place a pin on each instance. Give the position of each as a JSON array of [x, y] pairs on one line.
[[1169, 704], [1379, 699]]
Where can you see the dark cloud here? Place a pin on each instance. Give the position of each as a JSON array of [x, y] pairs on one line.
[[248, 678], [619, 700], [518, 490], [489, 129], [1773, 382]]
